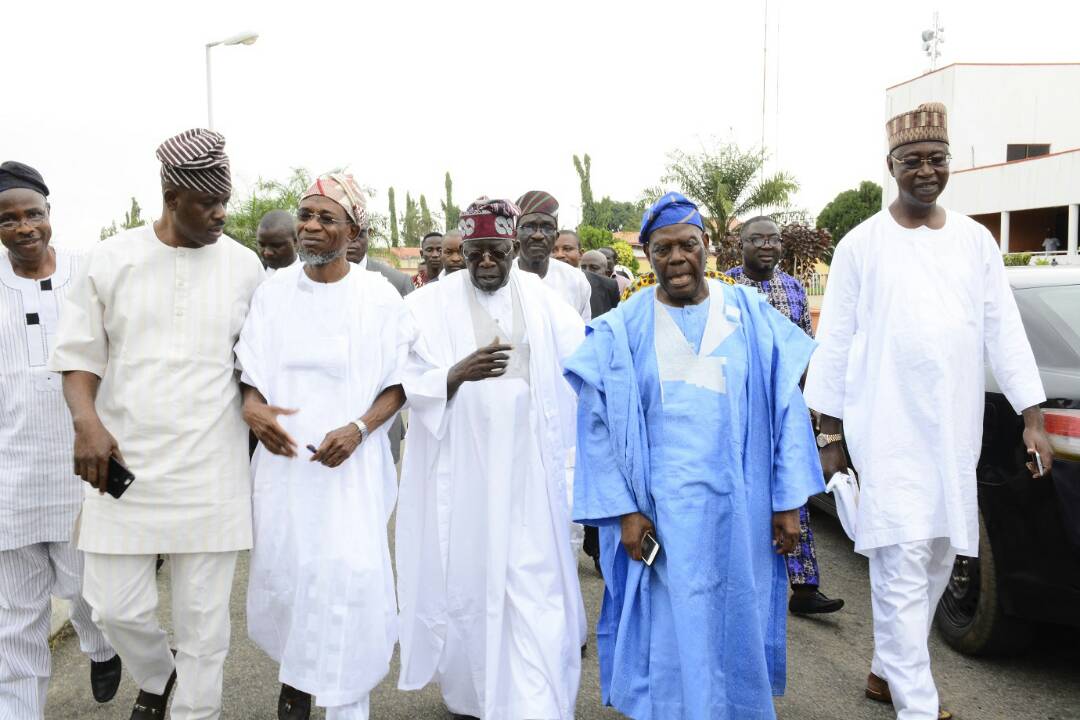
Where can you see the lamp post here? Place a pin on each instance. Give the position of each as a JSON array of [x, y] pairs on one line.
[[246, 38]]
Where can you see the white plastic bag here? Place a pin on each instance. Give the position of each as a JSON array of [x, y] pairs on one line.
[[845, 491]]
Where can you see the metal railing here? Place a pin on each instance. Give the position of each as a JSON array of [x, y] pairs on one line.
[[816, 285]]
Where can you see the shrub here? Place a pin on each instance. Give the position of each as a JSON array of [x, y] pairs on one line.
[[1018, 259]]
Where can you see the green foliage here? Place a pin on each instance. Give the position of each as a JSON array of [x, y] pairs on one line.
[[132, 218], [624, 255], [1017, 259], [245, 213], [593, 238], [584, 170], [1042, 261], [617, 216], [394, 241], [451, 212], [725, 181], [427, 223], [410, 223], [848, 209]]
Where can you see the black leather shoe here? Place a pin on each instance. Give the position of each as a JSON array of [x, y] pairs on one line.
[[293, 704], [105, 678], [149, 706], [813, 602]]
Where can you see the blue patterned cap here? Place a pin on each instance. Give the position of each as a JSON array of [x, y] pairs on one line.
[[672, 209]]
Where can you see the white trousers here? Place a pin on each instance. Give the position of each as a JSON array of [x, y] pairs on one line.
[[29, 577], [353, 711], [122, 589], [906, 582]]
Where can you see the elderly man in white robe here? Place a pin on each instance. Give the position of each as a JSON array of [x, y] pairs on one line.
[[917, 296], [321, 353], [488, 587], [146, 347]]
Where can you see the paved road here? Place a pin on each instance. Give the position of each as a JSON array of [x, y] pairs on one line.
[[828, 660]]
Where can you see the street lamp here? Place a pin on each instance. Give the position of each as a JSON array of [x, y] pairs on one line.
[[246, 38]]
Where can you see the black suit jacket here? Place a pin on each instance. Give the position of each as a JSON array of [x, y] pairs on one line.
[[605, 293]]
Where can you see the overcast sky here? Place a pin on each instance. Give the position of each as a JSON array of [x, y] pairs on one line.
[[501, 94]]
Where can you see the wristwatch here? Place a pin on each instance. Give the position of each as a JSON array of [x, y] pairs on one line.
[[362, 427], [824, 440]]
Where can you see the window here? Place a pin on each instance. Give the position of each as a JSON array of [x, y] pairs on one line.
[[1022, 152]]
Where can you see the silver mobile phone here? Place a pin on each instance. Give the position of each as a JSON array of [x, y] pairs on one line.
[[650, 548], [1038, 463]]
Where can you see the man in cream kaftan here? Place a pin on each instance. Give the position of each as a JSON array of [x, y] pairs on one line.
[[490, 602], [917, 297], [145, 343]]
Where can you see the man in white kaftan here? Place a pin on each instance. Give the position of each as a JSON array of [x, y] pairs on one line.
[[328, 340], [917, 295], [146, 347], [40, 495], [490, 602], [537, 231]]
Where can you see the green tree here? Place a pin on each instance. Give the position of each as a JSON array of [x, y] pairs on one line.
[[727, 183], [132, 219], [410, 223], [593, 238], [394, 240], [848, 209], [617, 216], [427, 222], [451, 212], [245, 213], [583, 167], [624, 255]]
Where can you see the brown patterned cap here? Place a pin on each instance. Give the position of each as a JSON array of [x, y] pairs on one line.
[[928, 122]]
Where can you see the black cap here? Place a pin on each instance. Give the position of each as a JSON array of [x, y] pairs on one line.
[[17, 175]]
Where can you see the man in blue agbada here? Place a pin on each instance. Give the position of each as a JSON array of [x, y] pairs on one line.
[[691, 425]]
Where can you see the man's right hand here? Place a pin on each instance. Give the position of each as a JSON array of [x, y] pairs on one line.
[[262, 419], [94, 445], [634, 527], [487, 362]]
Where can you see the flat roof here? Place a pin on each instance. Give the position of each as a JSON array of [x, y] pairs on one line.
[[1016, 162], [971, 64]]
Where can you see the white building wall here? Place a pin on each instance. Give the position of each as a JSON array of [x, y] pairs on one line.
[[991, 107]]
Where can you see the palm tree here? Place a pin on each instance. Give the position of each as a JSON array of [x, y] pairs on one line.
[[725, 182]]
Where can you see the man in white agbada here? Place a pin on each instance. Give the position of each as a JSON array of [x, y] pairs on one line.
[[917, 294], [40, 495], [321, 355], [537, 231], [488, 587], [146, 347]]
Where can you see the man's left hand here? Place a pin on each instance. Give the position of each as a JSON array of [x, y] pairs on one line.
[[786, 531], [338, 446]]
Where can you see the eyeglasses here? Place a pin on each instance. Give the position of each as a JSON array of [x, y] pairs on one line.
[[33, 219], [531, 229], [324, 219], [760, 241], [914, 162], [477, 255]]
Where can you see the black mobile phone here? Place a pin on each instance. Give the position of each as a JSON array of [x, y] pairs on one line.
[[120, 478], [650, 548]]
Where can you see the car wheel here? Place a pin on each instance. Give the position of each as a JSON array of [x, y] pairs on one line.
[[969, 615]]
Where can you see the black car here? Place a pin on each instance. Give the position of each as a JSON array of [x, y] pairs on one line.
[[1028, 569]]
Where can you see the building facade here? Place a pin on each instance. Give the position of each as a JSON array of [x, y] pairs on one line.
[[1014, 134]]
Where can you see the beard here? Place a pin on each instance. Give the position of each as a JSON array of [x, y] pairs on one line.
[[318, 259]]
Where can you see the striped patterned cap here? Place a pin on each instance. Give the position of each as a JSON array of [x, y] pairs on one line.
[[343, 189], [196, 160], [538, 201], [928, 122]]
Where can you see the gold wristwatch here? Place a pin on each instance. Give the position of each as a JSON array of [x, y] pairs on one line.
[[824, 440]]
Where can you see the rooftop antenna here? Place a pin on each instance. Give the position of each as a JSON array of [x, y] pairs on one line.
[[931, 42]]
